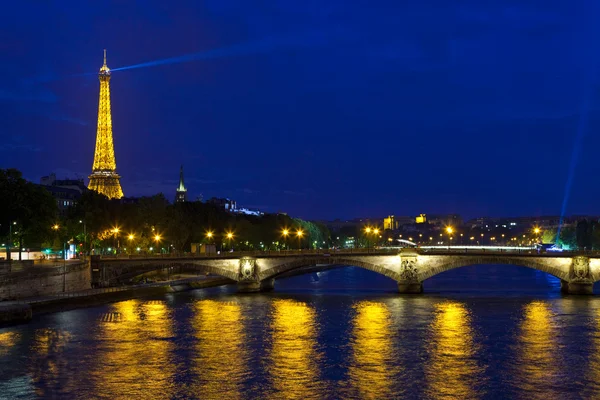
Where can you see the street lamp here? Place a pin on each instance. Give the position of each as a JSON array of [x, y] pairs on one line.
[[116, 231], [157, 239], [368, 230], [299, 233], [376, 233], [449, 230], [229, 236], [285, 234], [84, 237], [56, 227], [10, 242]]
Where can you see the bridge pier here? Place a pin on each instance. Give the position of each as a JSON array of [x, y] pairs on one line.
[[255, 286], [410, 287], [584, 288]]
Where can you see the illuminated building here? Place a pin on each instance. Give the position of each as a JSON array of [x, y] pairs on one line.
[[421, 219], [389, 223], [231, 206], [181, 193], [104, 178]]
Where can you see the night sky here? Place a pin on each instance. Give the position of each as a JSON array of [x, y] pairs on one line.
[[318, 108]]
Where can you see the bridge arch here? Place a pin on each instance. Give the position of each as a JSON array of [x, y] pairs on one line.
[[459, 262], [327, 263], [120, 274]]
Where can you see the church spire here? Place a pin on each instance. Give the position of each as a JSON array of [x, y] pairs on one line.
[[181, 185], [181, 193]]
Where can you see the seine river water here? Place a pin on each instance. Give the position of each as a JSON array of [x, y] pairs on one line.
[[479, 332]]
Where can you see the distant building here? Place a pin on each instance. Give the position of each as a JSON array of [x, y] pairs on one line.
[[231, 206], [66, 192], [76, 184], [389, 223], [181, 192], [421, 219], [65, 197], [453, 220], [225, 203], [249, 211], [404, 220]]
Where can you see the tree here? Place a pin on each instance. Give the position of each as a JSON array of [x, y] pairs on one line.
[[549, 236], [568, 238], [583, 234], [28, 210]]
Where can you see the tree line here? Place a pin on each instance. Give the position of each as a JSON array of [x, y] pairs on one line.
[[139, 225]]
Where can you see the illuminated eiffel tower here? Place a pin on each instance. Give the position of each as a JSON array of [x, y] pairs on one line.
[[104, 178]]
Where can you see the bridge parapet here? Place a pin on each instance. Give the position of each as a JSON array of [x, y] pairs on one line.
[[408, 267]]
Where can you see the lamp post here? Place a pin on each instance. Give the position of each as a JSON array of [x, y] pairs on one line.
[[9, 244], [84, 238], [367, 231], [299, 233], [56, 227], [116, 232], [131, 237], [450, 230], [537, 231], [229, 236], [376, 233], [157, 238], [285, 234]]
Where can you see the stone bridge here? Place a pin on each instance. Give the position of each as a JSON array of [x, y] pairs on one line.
[[408, 267]]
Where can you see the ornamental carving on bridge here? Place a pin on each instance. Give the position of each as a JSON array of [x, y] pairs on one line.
[[247, 267], [408, 270], [581, 268]]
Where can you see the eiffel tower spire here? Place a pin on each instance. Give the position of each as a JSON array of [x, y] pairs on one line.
[[104, 178]]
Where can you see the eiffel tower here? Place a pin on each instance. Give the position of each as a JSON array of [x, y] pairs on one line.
[[104, 178]]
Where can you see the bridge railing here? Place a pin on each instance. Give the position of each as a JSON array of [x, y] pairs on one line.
[[357, 251], [256, 253]]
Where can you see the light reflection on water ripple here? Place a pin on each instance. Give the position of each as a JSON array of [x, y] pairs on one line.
[[344, 334]]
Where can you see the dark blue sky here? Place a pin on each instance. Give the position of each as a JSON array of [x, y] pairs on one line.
[[319, 108]]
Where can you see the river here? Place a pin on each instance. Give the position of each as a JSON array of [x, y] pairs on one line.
[[478, 332]]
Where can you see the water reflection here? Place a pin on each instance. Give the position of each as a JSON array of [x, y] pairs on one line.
[[8, 339], [47, 363], [220, 360], [293, 366], [537, 361], [592, 383], [134, 352], [373, 368], [452, 371]]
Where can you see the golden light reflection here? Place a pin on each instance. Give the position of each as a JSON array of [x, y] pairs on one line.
[[293, 366], [451, 370], [7, 341], [135, 351], [372, 370], [221, 357], [47, 363], [537, 349], [592, 386]]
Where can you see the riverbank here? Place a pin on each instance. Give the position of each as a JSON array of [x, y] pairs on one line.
[[24, 310]]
